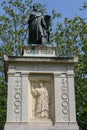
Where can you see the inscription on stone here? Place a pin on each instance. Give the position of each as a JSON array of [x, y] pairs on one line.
[[39, 52]]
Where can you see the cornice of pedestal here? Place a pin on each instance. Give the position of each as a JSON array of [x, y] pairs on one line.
[[56, 59]]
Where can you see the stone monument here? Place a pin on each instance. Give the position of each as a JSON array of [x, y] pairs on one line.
[[41, 91]]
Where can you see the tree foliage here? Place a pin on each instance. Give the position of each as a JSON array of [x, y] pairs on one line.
[[70, 37], [13, 35], [14, 25]]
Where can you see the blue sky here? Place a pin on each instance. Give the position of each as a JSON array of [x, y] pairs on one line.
[[68, 8]]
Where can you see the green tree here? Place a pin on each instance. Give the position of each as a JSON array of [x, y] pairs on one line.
[[14, 25], [71, 39], [13, 35]]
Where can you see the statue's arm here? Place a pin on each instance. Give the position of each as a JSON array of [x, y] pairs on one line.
[[33, 91], [29, 19], [43, 23], [32, 17]]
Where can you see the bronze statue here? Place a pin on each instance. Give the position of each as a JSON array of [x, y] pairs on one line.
[[38, 27]]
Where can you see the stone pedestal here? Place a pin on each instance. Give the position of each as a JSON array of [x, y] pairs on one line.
[[58, 76], [39, 51]]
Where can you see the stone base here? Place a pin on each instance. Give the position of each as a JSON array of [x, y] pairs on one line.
[[38, 122], [58, 76], [26, 126], [39, 51]]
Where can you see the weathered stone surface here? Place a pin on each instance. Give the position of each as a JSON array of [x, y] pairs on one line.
[[39, 51], [58, 77]]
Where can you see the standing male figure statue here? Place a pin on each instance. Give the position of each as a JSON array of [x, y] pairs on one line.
[[38, 27]]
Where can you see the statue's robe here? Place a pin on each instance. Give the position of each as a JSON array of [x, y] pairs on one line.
[[42, 102], [38, 32]]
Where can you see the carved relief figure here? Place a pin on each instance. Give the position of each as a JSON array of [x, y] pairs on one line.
[[42, 101]]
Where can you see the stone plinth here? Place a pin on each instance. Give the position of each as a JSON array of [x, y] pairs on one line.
[[58, 76], [39, 51]]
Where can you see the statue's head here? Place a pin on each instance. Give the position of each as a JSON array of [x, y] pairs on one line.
[[41, 83], [35, 7]]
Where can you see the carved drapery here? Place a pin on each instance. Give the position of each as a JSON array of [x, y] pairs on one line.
[[41, 100]]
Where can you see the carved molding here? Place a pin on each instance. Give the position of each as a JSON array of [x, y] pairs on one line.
[[64, 97], [57, 75], [17, 97]]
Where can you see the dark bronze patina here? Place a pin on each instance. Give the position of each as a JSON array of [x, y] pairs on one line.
[[38, 27]]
